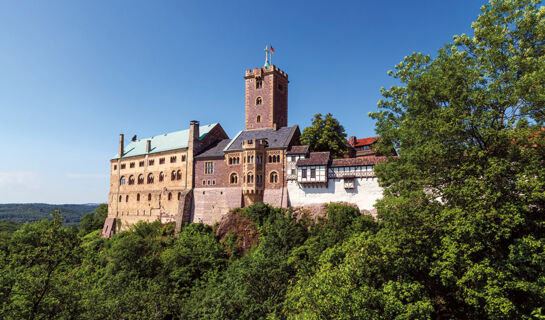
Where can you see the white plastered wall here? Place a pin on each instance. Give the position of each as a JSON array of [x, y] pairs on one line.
[[365, 193]]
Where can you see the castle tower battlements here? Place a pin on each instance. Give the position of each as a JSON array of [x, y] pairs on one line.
[[266, 98]]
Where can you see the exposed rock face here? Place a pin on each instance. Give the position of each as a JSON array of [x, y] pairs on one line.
[[235, 224]]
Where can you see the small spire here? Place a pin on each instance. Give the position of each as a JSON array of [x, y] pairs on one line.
[[267, 61]]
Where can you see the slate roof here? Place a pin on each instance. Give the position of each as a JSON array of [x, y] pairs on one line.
[[215, 150], [298, 150], [360, 161], [164, 142], [279, 138], [315, 159]]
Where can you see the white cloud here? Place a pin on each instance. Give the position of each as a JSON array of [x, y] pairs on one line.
[[86, 175], [27, 179]]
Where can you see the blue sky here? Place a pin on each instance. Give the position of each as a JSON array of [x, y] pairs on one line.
[[75, 74]]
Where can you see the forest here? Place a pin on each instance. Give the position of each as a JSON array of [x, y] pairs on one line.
[[29, 212], [459, 233]]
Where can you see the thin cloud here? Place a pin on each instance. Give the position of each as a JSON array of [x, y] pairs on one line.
[[86, 175], [27, 179]]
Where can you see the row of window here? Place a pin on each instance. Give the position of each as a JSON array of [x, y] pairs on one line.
[[249, 159], [174, 175], [151, 162], [169, 197], [233, 179], [312, 173]]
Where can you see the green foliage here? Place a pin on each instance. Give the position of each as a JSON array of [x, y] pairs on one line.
[[94, 220], [325, 134]]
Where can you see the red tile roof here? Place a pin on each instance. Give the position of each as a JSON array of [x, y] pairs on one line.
[[361, 161], [315, 159], [365, 141]]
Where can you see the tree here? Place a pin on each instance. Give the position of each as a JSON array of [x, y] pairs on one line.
[[94, 220], [37, 275], [464, 161], [325, 134]]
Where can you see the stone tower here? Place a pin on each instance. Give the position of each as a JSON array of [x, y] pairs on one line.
[[266, 98]]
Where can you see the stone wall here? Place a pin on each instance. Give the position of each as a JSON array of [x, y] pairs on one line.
[[210, 204], [276, 197], [365, 193]]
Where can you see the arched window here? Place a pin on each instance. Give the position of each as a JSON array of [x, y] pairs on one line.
[[278, 158], [169, 196], [122, 180], [233, 178], [250, 178], [273, 177], [127, 198], [131, 180], [173, 175], [230, 160], [161, 176], [149, 196], [270, 159], [179, 175], [150, 178], [120, 198], [179, 195], [258, 101], [141, 179], [138, 197], [258, 119]]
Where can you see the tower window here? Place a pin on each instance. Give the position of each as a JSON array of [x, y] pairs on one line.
[[258, 83], [233, 179], [280, 87], [258, 119], [274, 177], [259, 101]]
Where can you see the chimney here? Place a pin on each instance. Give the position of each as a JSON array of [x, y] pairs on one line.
[[352, 141], [148, 146], [121, 145], [194, 130]]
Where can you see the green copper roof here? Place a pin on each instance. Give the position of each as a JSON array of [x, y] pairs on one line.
[[165, 142]]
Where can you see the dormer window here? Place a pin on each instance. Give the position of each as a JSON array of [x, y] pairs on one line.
[[258, 83], [258, 101]]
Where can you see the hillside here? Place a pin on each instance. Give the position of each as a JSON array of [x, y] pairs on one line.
[[30, 212]]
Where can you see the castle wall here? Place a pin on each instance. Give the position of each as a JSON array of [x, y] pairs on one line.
[[365, 193], [210, 204], [276, 197]]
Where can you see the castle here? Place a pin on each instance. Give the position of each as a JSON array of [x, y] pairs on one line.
[[199, 174]]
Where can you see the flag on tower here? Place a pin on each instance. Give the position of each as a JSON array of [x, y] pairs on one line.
[[272, 50]]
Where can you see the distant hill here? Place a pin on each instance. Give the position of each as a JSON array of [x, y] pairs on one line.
[[28, 212]]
